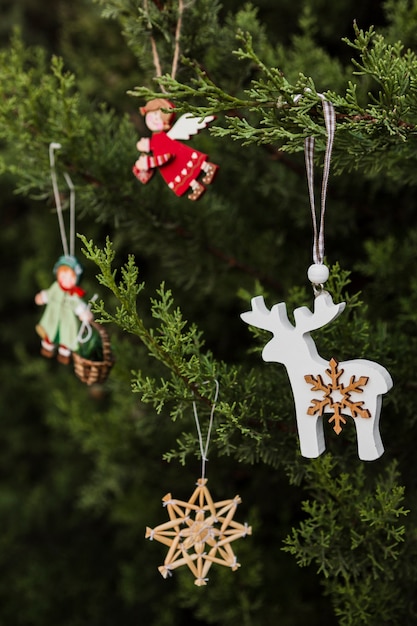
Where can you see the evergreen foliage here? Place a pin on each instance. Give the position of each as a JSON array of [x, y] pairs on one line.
[[84, 469]]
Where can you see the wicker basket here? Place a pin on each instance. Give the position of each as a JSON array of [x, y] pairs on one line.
[[91, 372]]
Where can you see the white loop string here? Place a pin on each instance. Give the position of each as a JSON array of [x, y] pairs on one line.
[[318, 225], [204, 448], [85, 331], [57, 197]]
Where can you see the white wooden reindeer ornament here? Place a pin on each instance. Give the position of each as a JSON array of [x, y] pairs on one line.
[[350, 388]]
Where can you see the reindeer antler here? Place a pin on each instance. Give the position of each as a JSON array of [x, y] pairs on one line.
[[325, 311], [262, 317], [276, 319]]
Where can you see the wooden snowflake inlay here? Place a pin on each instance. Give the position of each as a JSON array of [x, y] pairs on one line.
[[199, 533], [337, 396]]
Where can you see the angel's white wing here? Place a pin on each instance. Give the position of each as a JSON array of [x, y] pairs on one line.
[[188, 125]]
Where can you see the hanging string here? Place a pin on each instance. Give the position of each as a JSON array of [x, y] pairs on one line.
[[309, 143], [318, 230], [85, 331], [72, 212], [57, 197], [204, 448]]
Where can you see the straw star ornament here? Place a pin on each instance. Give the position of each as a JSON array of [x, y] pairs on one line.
[[199, 533]]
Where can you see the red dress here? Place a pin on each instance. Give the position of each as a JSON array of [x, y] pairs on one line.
[[184, 163]]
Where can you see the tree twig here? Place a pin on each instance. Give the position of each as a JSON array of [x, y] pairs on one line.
[[155, 55], [177, 39]]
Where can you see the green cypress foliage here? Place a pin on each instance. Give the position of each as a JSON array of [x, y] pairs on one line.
[[84, 469]]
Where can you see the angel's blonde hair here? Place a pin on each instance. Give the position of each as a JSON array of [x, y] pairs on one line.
[[156, 105]]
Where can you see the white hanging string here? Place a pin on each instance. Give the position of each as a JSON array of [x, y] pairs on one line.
[[309, 143], [85, 331], [52, 147], [204, 448], [72, 212]]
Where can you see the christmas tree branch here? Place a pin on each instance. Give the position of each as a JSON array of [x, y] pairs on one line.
[[164, 346], [353, 534], [180, 349], [272, 116]]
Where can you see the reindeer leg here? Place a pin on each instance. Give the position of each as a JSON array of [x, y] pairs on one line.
[[310, 433], [370, 446]]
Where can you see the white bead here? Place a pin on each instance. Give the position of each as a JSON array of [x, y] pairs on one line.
[[318, 273]]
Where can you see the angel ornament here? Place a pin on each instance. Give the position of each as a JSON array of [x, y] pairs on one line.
[[180, 165]]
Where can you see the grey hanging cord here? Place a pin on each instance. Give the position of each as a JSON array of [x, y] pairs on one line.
[[52, 147], [318, 230], [204, 448], [309, 143]]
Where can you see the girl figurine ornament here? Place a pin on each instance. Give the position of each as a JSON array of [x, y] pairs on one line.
[[179, 165], [58, 328]]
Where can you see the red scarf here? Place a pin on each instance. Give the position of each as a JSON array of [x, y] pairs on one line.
[[74, 290]]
